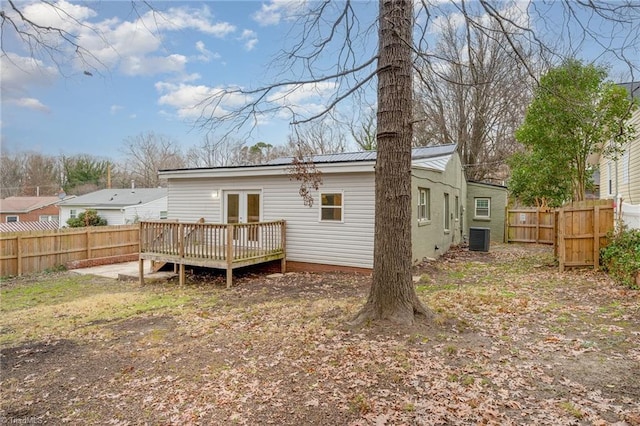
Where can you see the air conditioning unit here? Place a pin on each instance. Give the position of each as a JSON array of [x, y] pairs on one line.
[[479, 239]]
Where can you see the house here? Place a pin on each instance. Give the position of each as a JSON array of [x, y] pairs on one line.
[[620, 177], [338, 228], [29, 209], [118, 206]]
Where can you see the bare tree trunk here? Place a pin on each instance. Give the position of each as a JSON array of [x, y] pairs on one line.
[[392, 295]]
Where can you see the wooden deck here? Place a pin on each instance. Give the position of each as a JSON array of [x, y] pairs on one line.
[[212, 245]]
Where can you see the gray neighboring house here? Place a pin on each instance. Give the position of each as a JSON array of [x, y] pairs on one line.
[[338, 229], [118, 206]]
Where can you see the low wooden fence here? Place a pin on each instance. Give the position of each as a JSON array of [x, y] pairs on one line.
[[31, 252], [577, 230]]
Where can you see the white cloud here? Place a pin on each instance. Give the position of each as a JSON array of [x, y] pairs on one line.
[[19, 74], [195, 101], [133, 46], [516, 12], [278, 10], [115, 108], [192, 102], [250, 39], [151, 65], [306, 99], [181, 18], [31, 103], [205, 54], [60, 14]]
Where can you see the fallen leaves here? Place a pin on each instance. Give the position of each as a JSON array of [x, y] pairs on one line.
[[517, 343]]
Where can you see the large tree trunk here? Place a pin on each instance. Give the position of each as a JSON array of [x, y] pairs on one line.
[[392, 295]]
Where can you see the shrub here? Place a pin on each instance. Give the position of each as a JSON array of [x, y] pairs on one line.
[[621, 257], [87, 218]]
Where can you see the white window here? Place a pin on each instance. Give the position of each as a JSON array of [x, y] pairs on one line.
[[73, 214], [48, 218], [12, 219], [447, 219], [331, 204], [163, 214], [482, 208], [424, 204], [625, 167]]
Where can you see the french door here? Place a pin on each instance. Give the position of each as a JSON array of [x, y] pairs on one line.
[[243, 207]]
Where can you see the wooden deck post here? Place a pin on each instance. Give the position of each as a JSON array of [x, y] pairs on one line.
[[181, 275], [283, 243], [141, 271], [562, 250], [229, 255], [596, 237]]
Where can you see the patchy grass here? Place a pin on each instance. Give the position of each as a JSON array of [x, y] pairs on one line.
[[513, 342], [74, 305]]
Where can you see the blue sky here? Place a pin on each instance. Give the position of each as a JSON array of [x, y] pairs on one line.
[[152, 68]]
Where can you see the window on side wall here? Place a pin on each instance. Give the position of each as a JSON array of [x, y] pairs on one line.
[[12, 219], [331, 205], [447, 212], [73, 214], [164, 214], [456, 207], [424, 204], [482, 208]]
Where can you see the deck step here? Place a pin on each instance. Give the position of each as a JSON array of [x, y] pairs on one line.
[[157, 265]]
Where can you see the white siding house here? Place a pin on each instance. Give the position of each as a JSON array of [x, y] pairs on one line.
[[344, 239], [118, 206], [620, 177], [338, 229]]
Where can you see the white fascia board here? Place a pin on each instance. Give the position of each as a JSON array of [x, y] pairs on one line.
[[346, 167], [430, 169]]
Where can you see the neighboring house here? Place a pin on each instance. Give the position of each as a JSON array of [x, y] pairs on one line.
[[620, 177], [29, 209], [338, 229], [118, 206]]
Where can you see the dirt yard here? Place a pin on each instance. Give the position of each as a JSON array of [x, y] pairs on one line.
[[514, 342]]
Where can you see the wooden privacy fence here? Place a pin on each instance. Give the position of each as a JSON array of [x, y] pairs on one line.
[[531, 226], [582, 231], [577, 230], [31, 252]]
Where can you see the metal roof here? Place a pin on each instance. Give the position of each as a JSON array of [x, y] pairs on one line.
[[28, 226], [416, 153], [433, 163], [117, 198]]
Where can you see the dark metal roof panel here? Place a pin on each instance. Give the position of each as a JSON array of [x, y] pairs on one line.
[[416, 153]]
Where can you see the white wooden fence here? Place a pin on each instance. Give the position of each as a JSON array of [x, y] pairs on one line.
[[631, 215]]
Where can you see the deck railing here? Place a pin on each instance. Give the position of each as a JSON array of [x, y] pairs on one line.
[[213, 244]]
